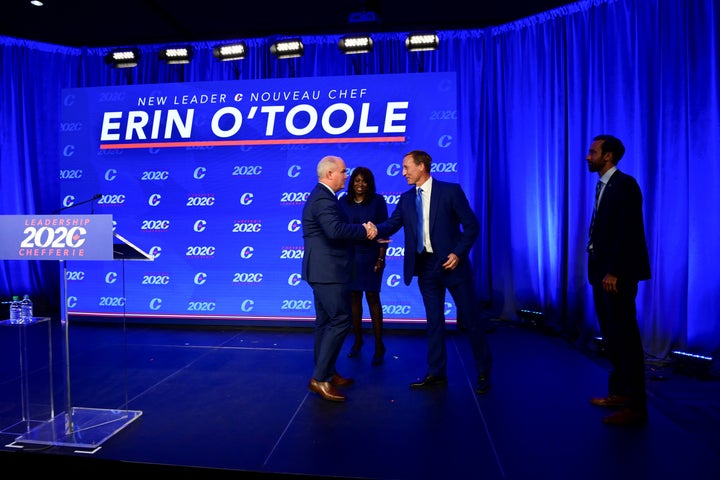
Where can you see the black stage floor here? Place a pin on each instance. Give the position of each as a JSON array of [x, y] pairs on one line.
[[221, 402]]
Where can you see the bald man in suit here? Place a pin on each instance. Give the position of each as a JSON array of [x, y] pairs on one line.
[[327, 267]]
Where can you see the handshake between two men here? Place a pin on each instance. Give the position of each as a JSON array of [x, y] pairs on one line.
[[371, 230]]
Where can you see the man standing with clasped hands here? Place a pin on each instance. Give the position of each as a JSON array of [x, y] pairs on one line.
[[327, 267], [440, 229]]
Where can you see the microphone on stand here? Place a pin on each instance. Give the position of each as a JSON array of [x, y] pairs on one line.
[[92, 207]]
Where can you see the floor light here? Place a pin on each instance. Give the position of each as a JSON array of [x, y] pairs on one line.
[[692, 364]]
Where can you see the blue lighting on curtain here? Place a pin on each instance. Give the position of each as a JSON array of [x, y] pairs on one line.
[[532, 94]]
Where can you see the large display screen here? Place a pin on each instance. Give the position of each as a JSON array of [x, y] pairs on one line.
[[210, 179]]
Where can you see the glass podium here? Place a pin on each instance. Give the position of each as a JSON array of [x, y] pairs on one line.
[[36, 404], [75, 426], [80, 427]]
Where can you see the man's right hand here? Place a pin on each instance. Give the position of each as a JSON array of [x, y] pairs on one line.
[[371, 230]]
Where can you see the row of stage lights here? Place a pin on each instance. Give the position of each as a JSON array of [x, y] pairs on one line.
[[290, 48]]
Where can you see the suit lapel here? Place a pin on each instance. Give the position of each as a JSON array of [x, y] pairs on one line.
[[434, 200], [609, 189]]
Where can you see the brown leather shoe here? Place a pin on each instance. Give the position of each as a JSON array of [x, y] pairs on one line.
[[610, 401], [326, 391], [340, 381], [627, 416]]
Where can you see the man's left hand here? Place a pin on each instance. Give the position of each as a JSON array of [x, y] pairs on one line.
[[451, 262], [609, 283]]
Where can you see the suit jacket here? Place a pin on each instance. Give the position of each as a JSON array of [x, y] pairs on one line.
[[618, 234], [449, 211], [328, 250]]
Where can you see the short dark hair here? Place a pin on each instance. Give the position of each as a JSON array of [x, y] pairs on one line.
[[612, 145], [369, 179], [421, 156]]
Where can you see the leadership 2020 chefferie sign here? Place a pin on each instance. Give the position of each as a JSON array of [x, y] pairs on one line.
[[56, 237]]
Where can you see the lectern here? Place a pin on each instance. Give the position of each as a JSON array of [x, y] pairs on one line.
[[62, 238]]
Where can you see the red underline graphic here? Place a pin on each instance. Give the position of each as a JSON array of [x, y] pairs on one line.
[[234, 143]]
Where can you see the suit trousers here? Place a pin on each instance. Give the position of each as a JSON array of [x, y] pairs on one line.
[[433, 285], [333, 322], [617, 318]]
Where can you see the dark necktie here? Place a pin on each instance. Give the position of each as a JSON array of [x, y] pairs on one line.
[[419, 210], [598, 187]]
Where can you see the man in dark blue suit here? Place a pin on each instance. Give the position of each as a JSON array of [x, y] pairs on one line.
[[440, 229], [327, 267], [617, 260]]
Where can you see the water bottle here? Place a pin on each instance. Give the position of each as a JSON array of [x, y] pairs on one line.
[[26, 309], [15, 314]]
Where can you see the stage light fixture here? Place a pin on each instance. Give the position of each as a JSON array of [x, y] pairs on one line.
[[417, 42], [232, 51], [691, 356], [599, 344], [356, 44], [176, 55], [287, 48], [365, 16], [123, 58], [692, 364], [532, 318]]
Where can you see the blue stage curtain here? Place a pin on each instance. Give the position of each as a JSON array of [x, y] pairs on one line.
[[531, 95]]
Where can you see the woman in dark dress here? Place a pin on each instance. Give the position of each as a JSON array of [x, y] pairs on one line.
[[362, 204]]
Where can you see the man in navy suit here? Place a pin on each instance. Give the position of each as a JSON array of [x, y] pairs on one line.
[[327, 267], [617, 260], [439, 255]]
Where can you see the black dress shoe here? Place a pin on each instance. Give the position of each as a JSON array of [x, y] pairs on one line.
[[355, 350], [378, 357], [483, 384], [430, 381], [326, 391]]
